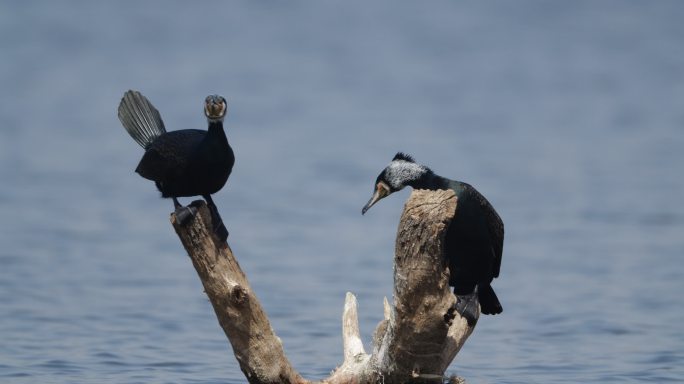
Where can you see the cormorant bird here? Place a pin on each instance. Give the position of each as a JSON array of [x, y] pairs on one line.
[[474, 239], [188, 162]]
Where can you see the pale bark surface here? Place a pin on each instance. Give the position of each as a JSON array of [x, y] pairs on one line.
[[258, 350], [415, 343]]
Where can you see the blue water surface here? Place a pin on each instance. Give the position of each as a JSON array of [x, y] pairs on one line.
[[568, 116]]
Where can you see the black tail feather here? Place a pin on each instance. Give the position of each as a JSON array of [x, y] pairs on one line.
[[489, 303], [140, 118]]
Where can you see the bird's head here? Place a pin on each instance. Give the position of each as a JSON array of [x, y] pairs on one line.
[[400, 172], [215, 108]]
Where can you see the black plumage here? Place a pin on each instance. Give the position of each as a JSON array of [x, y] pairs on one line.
[[474, 239], [182, 163]]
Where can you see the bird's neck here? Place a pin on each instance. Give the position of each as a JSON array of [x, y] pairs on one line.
[[216, 137], [422, 179], [429, 180], [215, 125], [216, 129]]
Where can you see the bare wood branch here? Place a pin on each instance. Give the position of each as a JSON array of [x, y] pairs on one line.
[[258, 350], [351, 336], [415, 342]]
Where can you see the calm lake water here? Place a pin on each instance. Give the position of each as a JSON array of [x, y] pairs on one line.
[[568, 116]]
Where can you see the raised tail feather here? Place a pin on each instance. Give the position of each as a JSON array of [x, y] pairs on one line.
[[140, 118]]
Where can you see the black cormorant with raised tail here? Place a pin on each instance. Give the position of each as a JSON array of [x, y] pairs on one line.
[[474, 239], [183, 163]]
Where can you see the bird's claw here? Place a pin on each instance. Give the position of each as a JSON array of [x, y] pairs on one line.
[[185, 214], [467, 307]]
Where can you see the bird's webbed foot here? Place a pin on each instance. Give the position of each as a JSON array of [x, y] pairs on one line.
[[185, 214], [467, 307]]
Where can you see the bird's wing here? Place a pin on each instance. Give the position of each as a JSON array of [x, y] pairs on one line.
[[169, 154], [494, 225]]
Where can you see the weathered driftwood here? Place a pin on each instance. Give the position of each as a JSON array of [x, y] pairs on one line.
[[415, 342]]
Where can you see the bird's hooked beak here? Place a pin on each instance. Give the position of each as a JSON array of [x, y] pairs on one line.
[[381, 191]]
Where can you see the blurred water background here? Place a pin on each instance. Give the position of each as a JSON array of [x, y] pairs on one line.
[[568, 116]]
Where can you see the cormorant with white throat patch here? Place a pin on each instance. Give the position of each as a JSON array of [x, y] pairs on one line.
[[474, 239], [183, 163]]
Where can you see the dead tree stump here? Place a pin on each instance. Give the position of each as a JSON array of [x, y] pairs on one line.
[[414, 343]]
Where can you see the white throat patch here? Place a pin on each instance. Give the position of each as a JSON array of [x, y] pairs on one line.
[[400, 172]]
